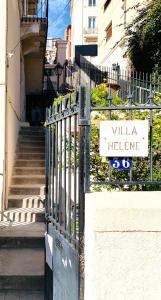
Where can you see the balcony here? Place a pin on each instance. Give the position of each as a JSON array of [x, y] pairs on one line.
[[34, 11], [34, 24], [90, 34], [90, 31]]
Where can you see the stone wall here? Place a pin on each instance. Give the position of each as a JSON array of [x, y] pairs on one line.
[[123, 246]]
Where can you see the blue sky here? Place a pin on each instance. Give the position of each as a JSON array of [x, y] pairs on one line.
[[59, 18]]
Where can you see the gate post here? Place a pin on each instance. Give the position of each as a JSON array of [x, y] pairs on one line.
[[81, 124]]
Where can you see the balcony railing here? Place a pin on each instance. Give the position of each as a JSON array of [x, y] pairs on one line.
[[34, 10], [90, 31]]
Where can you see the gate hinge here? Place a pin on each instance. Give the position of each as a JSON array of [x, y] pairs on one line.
[[84, 122]]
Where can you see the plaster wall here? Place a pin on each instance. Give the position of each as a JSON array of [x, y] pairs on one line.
[[80, 12], [3, 26], [77, 26], [33, 73], [123, 246], [14, 101]]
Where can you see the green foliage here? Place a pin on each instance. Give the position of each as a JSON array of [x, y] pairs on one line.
[[100, 168], [71, 97], [144, 36]]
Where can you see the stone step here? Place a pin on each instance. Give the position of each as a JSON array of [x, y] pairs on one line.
[[21, 269], [32, 128], [31, 156], [29, 163], [23, 215], [32, 143], [39, 133], [31, 138], [29, 171], [30, 149], [29, 230], [24, 201], [20, 242], [34, 189], [21, 295], [27, 179], [34, 283]]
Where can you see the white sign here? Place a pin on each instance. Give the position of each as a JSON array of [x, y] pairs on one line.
[[49, 250], [124, 138]]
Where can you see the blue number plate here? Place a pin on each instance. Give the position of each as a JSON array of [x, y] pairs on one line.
[[121, 164]]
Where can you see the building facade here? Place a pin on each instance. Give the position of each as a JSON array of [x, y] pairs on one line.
[[84, 23], [67, 37], [56, 52], [103, 22], [114, 19], [22, 52]]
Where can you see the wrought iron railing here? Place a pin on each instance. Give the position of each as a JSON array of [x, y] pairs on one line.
[[65, 174], [34, 10], [116, 78], [74, 165]]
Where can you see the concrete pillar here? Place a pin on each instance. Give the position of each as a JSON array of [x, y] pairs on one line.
[[123, 246]]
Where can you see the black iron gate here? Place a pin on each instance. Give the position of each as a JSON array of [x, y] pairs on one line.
[[74, 166], [65, 192]]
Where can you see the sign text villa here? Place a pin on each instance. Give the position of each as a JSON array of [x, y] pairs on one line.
[[124, 138]]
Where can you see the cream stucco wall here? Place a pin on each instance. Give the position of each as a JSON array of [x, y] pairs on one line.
[[80, 11], [13, 85], [123, 246], [121, 14], [3, 26], [12, 100], [33, 73]]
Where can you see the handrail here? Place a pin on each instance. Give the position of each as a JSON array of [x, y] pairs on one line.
[[16, 114]]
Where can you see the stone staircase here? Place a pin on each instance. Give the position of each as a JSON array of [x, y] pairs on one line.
[[22, 227], [26, 195]]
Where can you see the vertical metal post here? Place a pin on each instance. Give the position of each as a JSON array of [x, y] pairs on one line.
[[151, 133], [75, 175], [87, 139], [46, 167], [81, 185], [69, 176], [56, 172], [60, 169], [53, 170], [81, 159], [64, 213]]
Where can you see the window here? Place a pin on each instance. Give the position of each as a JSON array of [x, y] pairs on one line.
[[92, 2], [106, 4], [91, 22], [108, 31]]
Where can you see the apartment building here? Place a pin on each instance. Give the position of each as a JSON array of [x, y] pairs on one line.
[[22, 52], [104, 22], [56, 52], [84, 23], [114, 18]]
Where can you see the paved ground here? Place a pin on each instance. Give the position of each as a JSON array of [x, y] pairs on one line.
[[21, 295]]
